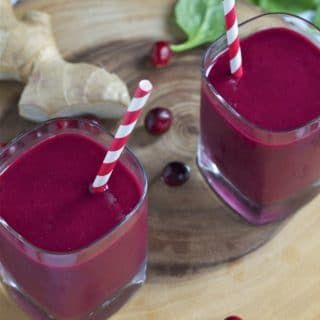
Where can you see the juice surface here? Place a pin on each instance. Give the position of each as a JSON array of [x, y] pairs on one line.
[[279, 89], [44, 194]]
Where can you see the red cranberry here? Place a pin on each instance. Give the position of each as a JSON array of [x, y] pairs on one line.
[[158, 120], [161, 54], [175, 174], [233, 318]]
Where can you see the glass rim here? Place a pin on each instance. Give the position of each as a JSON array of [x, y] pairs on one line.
[[227, 106], [109, 234]]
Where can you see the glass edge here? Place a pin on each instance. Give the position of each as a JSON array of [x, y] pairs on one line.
[[129, 216], [228, 106]]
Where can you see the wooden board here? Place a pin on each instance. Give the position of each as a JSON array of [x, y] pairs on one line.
[[190, 230]]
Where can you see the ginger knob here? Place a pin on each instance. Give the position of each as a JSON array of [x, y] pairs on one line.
[[54, 87]]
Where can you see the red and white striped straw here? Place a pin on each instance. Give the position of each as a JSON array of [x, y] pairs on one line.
[[119, 142], [233, 38]]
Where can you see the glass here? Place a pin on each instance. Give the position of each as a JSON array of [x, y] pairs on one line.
[[90, 283], [263, 175]]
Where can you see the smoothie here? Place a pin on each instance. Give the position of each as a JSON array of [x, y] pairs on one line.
[[254, 129], [280, 87], [78, 249]]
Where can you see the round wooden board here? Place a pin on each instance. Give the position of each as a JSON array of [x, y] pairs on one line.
[[190, 229]]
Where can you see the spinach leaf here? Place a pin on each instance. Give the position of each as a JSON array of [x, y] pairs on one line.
[[290, 6], [316, 19], [201, 20]]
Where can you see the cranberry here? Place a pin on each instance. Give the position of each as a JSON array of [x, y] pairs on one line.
[[175, 174], [233, 318], [161, 54], [2, 144], [158, 120]]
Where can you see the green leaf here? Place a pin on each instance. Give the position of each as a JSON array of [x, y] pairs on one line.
[[290, 6], [201, 20], [316, 19], [256, 2]]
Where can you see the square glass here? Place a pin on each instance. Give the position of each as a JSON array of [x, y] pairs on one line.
[[89, 283], [262, 175]]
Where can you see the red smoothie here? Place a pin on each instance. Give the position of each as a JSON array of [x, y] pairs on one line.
[[280, 87], [45, 198], [56, 211], [254, 129]]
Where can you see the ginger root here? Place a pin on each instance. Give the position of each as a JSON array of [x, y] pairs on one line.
[[54, 87]]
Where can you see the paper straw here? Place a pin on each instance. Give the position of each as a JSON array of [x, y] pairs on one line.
[[122, 135], [233, 38]]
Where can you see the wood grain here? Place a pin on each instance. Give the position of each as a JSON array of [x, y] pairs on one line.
[[190, 230]]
